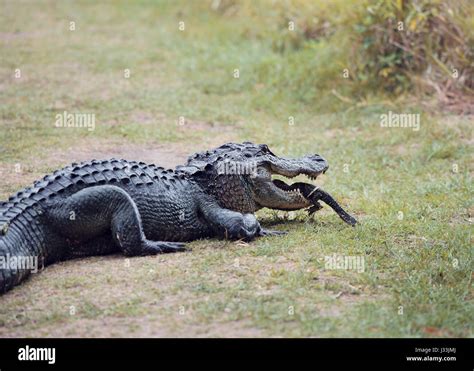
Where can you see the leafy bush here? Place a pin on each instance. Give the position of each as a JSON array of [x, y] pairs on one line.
[[415, 41], [390, 46]]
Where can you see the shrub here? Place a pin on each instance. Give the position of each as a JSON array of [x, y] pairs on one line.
[[403, 43], [390, 46]]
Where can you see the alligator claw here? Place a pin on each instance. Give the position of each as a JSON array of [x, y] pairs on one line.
[[268, 232], [159, 247], [317, 206]]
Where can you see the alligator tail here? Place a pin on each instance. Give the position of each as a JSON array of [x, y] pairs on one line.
[[315, 194], [10, 275], [21, 252]]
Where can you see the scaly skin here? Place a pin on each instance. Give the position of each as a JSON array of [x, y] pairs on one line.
[[102, 207]]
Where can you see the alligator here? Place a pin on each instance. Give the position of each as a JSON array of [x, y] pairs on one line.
[[103, 207]]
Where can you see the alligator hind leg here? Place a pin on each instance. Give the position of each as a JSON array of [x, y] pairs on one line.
[[94, 211]]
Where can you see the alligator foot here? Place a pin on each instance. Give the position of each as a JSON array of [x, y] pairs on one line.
[[268, 232], [162, 247], [317, 206]]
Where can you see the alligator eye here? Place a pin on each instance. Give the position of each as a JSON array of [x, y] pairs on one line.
[[267, 150]]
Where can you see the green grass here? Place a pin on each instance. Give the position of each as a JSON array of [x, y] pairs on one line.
[[421, 264]]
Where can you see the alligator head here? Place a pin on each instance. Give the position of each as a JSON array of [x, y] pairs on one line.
[[242, 178]]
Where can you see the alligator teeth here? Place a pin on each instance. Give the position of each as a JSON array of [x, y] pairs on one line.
[[294, 191]]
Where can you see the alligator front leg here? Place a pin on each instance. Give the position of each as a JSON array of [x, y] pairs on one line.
[[94, 211], [233, 225]]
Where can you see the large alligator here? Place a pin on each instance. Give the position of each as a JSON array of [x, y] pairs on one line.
[[101, 207]]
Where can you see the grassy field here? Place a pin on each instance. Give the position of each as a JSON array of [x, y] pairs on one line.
[[410, 189]]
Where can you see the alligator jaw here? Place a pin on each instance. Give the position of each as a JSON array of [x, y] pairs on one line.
[[311, 166], [275, 193]]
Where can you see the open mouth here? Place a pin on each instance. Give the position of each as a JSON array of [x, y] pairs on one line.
[[295, 187], [311, 176], [306, 192]]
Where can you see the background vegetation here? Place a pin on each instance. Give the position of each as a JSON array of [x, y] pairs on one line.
[[387, 46]]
